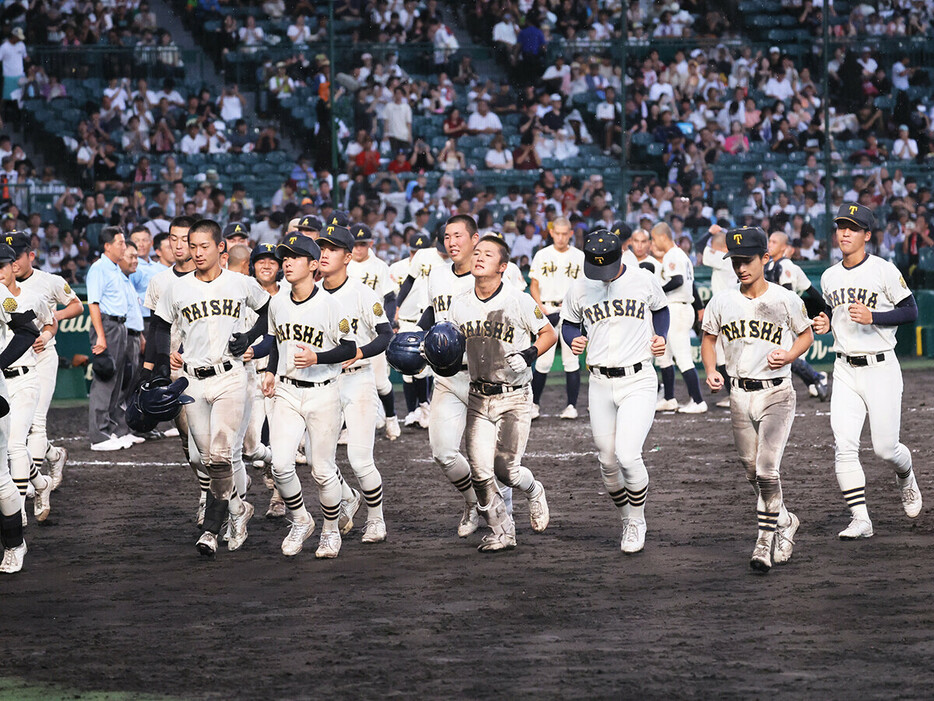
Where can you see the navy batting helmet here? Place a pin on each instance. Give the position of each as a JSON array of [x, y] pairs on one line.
[[444, 348], [136, 419], [162, 399], [404, 352]]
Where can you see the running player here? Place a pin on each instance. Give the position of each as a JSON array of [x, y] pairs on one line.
[[722, 277], [554, 270], [506, 331], [867, 298], [624, 312], [764, 327]]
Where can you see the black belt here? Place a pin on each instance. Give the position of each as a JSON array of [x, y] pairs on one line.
[[861, 361], [131, 332], [111, 317], [552, 304], [616, 372], [210, 371], [305, 383], [489, 389], [755, 385], [347, 371], [14, 372]]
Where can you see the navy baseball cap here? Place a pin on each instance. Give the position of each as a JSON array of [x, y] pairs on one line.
[[623, 230], [309, 222], [855, 213], [339, 218], [361, 233], [18, 241], [263, 250], [237, 229], [419, 241], [339, 236], [746, 241], [602, 253], [298, 244], [7, 254]]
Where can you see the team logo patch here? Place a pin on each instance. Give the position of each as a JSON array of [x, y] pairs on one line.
[[67, 289], [344, 326], [901, 281], [538, 313], [9, 305], [378, 309]]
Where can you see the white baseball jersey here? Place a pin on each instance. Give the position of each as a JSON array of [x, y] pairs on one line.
[[630, 260], [722, 277], [753, 328], [784, 272], [676, 262], [51, 289], [209, 313], [507, 322], [25, 301], [158, 284], [374, 273], [316, 322], [876, 283], [617, 316], [362, 309], [514, 277], [419, 266], [556, 271]]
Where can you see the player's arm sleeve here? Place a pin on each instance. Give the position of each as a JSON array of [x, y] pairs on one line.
[[905, 312], [262, 349], [272, 365], [813, 301], [24, 333], [389, 304], [698, 304], [345, 350], [404, 290], [157, 347], [674, 282], [378, 344], [798, 315], [427, 319], [570, 330], [262, 323], [661, 319]]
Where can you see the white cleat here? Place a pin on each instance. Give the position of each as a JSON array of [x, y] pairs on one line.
[[723, 403], [207, 544], [276, 505], [412, 417], [238, 524], [329, 545], [911, 498], [493, 542], [570, 412], [761, 560], [812, 391], [110, 445], [13, 559], [539, 516], [129, 440], [858, 528], [42, 505], [693, 407], [57, 468], [666, 405], [633, 540], [536, 411], [784, 542], [298, 534], [424, 412], [171, 433], [392, 428], [375, 531], [349, 509], [343, 437], [470, 520]]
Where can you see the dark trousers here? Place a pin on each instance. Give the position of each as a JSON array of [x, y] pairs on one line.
[[104, 414]]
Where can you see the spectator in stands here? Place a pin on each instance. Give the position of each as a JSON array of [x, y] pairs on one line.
[[498, 157], [163, 140], [298, 32], [905, 148], [736, 142], [194, 141], [251, 36], [267, 141], [450, 159], [398, 121], [421, 158], [525, 156], [231, 103], [505, 38], [609, 119], [454, 126], [13, 56], [444, 41], [281, 84], [483, 121], [532, 44]]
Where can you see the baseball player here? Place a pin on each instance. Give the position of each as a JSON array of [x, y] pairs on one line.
[[722, 277], [554, 270], [22, 384], [309, 226], [638, 253], [312, 339], [208, 306], [371, 331], [369, 269], [867, 298], [506, 331], [764, 328], [411, 303], [54, 291], [677, 275], [624, 312], [24, 334], [784, 272]]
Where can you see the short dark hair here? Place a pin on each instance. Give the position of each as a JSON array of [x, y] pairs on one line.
[[182, 222], [210, 226], [109, 233], [130, 244], [464, 219], [499, 241], [139, 227], [159, 238]]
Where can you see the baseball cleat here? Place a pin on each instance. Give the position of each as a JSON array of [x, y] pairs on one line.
[[822, 388], [536, 411], [375, 531], [349, 509], [911, 498], [570, 412], [171, 433], [858, 528], [329, 545], [723, 403], [495, 542], [13, 559], [202, 505], [693, 407], [666, 405], [42, 505], [812, 391], [57, 468], [784, 542], [207, 544], [762, 555], [412, 417], [238, 523], [470, 520], [392, 428], [424, 412], [633, 540], [298, 534], [276, 505], [130, 440], [110, 445], [538, 510]]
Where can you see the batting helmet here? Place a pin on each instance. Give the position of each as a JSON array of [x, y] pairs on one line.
[[162, 399], [104, 366], [136, 419], [404, 352], [444, 348]]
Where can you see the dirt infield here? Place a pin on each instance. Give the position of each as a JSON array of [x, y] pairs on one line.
[[115, 598]]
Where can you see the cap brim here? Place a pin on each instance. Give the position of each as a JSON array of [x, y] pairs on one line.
[[601, 272], [284, 247], [852, 221], [4, 261], [324, 238], [745, 254]]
